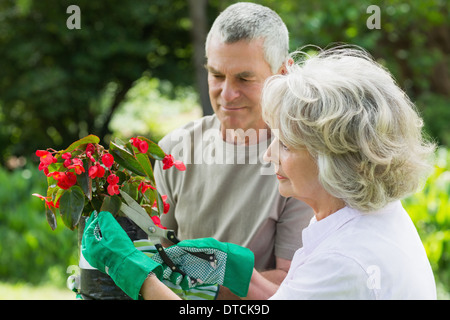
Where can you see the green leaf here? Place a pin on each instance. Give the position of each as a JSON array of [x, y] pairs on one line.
[[154, 150], [131, 189], [144, 161], [57, 195], [85, 182], [51, 219], [96, 204], [151, 196], [59, 166], [125, 159], [71, 206], [111, 204], [52, 188], [160, 203], [88, 139]]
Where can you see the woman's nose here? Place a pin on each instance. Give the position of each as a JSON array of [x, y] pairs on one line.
[[271, 154]]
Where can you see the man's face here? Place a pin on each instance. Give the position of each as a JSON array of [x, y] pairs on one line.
[[236, 75]]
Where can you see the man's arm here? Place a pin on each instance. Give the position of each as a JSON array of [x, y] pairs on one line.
[[260, 288], [278, 274]]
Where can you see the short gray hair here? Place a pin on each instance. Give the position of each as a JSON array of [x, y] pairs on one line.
[[361, 128], [249, 21]]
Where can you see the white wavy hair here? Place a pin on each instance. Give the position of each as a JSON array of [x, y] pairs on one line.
[[250, 21], [361, 128]]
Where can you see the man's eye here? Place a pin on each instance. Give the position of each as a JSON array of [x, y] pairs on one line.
[[246, 79]]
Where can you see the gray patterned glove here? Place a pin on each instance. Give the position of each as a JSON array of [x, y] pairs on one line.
[[207, 261]]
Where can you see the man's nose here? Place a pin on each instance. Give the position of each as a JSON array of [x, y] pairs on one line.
[[230, 91]]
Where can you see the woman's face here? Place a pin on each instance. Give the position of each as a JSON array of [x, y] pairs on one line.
[[298, 177], [296, 171]]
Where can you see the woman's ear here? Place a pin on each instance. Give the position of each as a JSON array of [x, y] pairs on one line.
[[283, 69]]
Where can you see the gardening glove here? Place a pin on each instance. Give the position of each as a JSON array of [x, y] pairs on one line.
[[205, 292], [207, 261], [106, 246]]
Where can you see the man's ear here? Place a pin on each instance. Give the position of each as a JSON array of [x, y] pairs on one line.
[[283, 69]]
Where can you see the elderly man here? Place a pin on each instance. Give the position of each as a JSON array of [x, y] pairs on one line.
[[227, 191]]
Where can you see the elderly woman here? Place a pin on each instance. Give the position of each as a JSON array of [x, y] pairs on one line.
[[348, 143], [350, 146]]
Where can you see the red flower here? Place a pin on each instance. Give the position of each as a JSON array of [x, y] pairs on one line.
[[135, 141], [157, 222], [93, 172], [113, 187], [108, 160], [65, 179], [77, 164], [166, 206], [46, 159], [112, 179], [67, 163], [142, 146], [66, 156], [100, 171], [145, 186], [96, 171], [169, 161], [47, 201], [90, 148]]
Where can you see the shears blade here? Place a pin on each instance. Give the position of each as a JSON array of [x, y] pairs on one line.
[[135, 212]]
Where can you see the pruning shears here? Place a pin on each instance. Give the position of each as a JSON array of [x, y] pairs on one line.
[[138, 215], [135, 212]]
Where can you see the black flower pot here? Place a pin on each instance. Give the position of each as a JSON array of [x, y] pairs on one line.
[[96, 285]]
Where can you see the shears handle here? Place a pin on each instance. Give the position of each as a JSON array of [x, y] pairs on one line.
[[172, 236]]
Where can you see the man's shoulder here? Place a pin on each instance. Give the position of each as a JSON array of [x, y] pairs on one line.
[[201, 124]]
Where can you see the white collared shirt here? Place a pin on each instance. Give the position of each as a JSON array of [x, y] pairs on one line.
[[355, 255]]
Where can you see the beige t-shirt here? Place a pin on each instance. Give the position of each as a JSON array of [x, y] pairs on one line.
[[229, 193]]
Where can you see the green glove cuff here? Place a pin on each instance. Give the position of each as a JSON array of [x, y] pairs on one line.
[[106, 246], [239, 263], [131, 274]]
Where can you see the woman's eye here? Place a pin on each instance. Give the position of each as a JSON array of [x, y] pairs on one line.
[[284, 146]]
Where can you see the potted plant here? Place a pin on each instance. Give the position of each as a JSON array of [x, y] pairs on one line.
[[86, 177]]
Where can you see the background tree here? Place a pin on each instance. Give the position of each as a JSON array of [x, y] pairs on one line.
[[413, 42], [58, 84]]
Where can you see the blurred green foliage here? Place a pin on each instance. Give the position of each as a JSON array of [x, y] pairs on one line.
[[146, 108], [29, 250], [413, 42], [58, 85], [430, 211]]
